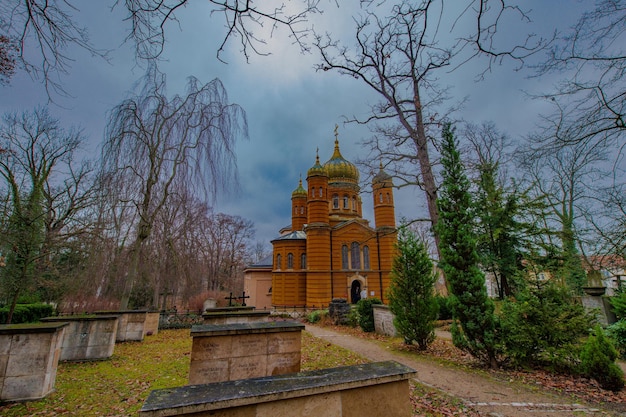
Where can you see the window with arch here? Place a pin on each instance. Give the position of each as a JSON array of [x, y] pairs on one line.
[[366, 257], [345, 201], [380, 197], [303, 261], [344, 257], [354, 204], [302, 210], [321, 192], [355, 255], [335, 201], [290, 261], [312, 191], [388, 197], [279, 260]]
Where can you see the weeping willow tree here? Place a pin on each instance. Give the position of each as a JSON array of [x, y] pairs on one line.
[[157, 146]]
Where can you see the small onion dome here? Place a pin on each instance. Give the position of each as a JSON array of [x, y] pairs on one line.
[[317, 169], [300, 191], [382, 176], [339, 169]]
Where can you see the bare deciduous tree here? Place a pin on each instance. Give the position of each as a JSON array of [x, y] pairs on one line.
[[242, 20], [36, 153], [398, 50], [590, 101], [156, 146]]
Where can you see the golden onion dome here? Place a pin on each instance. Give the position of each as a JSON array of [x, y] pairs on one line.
[[317, 169], [300, 191], [339, 169]]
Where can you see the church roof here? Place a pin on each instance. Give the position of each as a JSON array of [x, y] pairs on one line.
[[340, 169], [296, 235], [300, 191], [382, 176], [265, 262]]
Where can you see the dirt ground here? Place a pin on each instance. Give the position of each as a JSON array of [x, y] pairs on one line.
[[491, 397]]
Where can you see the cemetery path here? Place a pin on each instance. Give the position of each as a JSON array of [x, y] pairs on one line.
[[483, 392]]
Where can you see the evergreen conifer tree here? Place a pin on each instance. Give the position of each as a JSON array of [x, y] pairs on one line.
[[411, 294], [473, 310]]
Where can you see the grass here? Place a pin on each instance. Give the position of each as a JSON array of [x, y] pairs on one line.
[[120, 385]]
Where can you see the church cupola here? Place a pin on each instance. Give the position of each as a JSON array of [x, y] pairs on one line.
[[298, 208], [317, 196], [384, 211]]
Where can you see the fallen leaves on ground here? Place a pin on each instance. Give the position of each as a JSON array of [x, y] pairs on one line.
[[578, 388]]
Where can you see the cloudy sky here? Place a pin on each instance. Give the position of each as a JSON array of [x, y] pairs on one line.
[[292, 109]]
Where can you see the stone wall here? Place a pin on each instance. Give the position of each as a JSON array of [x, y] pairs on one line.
[[244, 350], [240, 316], [383, 320], [374, 389]]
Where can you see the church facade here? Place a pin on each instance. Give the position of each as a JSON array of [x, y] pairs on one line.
[[330, 250]]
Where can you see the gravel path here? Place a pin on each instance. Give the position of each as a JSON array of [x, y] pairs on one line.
[[490, 396]]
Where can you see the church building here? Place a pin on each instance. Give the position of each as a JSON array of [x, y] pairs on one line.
[[330, 250]]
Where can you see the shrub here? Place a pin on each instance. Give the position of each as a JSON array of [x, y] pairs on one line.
[[316, 316], [26, 313], [619, 304], [617, 333], [543, 328], [598, 362], [445, 307], [365, 313]]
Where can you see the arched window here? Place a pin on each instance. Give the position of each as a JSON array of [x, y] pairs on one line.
[[355, 256], [345, 201], [354, 204], [279, 260], [344, 257], [321, 192], [303, 261], [290, 261], [380, 197], [388, 197], [295, 210], [335, 201], [366, 257], [302, 210], [313, 192]]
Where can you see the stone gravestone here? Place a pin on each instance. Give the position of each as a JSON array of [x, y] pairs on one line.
[[338, 310], [244, 350], [209, 303]]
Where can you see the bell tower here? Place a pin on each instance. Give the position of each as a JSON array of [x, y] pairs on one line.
[[318, 237], [298, 208], [385, 218]]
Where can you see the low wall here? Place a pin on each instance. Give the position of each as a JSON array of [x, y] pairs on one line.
[[374, 389], [132, 324], [239, 316], [244, 350], [29, 356], [151, 325], [229, 309], [383, 320], [87, 338]]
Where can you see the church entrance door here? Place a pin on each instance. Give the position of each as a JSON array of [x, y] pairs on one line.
[[355, 291]]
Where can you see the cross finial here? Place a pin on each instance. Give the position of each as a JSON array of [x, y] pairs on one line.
[[336, 131]]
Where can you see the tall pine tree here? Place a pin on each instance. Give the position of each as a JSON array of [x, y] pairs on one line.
[[473, 310]]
